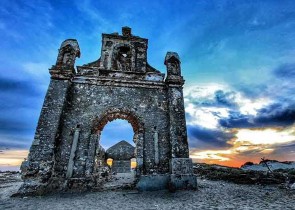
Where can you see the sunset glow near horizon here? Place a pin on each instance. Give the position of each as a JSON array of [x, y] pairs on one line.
[[237, 58]]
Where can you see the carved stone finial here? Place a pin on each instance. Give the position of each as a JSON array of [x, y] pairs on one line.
[[65, 62], [67, 54], [171, 56], [172, 63]]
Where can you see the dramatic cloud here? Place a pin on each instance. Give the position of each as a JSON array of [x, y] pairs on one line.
[[18, 87], [15, 141], [286, 71], [227, 127], [200, 137], [207, 106], [18, 116], [11, 159], [267, 136], [251, 145], [272, 115]]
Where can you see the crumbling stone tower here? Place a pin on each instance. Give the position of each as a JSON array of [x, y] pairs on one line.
[[119, 85]]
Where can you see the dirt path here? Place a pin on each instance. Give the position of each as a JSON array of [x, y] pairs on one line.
[[210, 195], [119, 180]]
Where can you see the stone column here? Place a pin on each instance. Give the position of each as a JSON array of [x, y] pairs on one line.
[[181, 166], [174, 81], [178, 133], [156, 147], [37, 170], [139, 153], [73, 153], [93, 143], [39, 166], [42, 149]]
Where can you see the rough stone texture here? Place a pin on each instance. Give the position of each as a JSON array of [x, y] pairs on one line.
[[121, 151], [119, 85], [121, 166], [153, 182]]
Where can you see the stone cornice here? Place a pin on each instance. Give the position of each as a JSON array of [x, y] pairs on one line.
[[119, 82]]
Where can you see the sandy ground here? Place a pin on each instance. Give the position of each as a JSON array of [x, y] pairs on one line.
[[210, 195], [120, 179]]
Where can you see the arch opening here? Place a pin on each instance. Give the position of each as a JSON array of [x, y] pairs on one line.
[[116, 131], [126, 154]]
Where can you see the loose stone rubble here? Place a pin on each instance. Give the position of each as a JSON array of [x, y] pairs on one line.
[[66, 154]]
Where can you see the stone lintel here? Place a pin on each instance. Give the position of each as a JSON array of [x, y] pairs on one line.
[[100, 72]]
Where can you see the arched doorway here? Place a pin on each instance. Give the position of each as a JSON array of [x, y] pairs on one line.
[[138, 130], [117, 141], [115, 131]]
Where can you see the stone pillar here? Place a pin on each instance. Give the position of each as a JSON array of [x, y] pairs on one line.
[[73, 153], [181, 166], [37, 170], [174, 81], [156, 147], [139, 154], [182, 176], [39, 166], [93, 143]]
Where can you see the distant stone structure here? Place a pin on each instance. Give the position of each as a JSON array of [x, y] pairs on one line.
[[121, 84], [121, 153]]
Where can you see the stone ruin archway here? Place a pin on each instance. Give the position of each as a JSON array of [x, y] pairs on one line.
[[80, 101], [136, 124]]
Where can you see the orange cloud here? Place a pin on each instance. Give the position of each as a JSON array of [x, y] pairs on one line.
[[12, 157], [249, 145]]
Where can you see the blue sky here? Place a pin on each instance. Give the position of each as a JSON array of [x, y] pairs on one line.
[[237, 59]]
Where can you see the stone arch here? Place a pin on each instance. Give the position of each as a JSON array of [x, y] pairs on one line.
[[137, 126], [113, 114]]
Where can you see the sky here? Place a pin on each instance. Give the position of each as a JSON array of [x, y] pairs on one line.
[[238, 60]]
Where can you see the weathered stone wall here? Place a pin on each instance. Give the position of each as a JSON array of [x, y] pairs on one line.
[[121, 151], [38, 168], [178, 133], [121, 166], [89, 101]]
